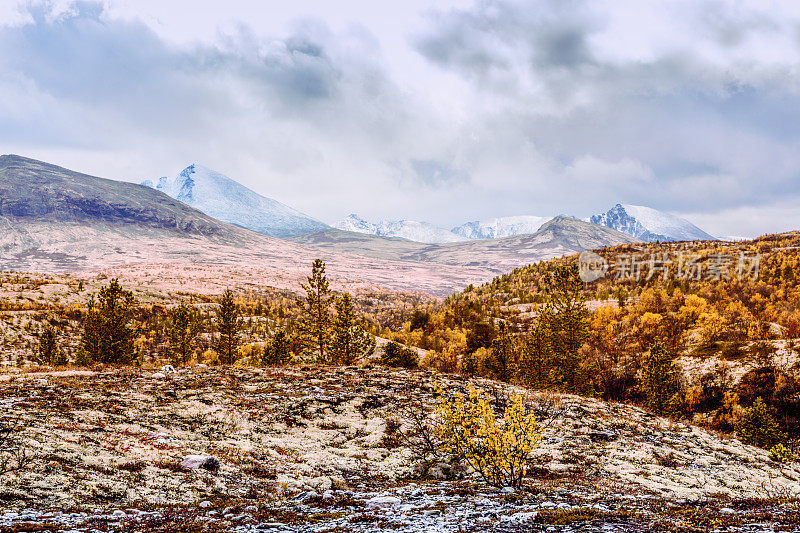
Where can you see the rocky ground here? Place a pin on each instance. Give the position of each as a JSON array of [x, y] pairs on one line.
[[318, 449]]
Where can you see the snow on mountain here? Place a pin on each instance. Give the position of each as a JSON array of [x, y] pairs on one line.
[[357, 224], [649, 225], [416, 231], [225, 199], [495, 228], [410, 230]]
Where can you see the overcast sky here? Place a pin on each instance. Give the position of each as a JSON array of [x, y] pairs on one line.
[[440, 111]]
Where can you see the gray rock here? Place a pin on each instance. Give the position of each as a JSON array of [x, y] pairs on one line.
[[205, 462]]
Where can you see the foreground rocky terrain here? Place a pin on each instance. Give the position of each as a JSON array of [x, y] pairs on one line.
[[320, 449]]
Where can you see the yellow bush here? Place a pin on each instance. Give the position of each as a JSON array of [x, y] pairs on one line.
[[711, 327], [495, 448], [210, 357]]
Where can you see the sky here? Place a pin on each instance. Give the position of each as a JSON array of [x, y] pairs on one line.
[[444, 111]]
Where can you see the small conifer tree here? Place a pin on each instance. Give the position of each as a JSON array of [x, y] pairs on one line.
[[349, 341], [502, 362], [757, 426], [183, 328], [315, 323], [566, 317], [536, 366], [108, 336], [49, 352], [659, 378], [277, 352], [227, 341], [398, 356]]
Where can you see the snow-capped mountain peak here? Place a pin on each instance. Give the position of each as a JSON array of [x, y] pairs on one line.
[[648, 224], [225, 199]]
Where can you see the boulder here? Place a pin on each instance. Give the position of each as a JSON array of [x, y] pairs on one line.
[[383, 501], [205, 462]]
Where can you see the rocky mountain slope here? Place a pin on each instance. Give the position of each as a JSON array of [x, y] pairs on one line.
[[557, 237], [318, 449], [649, 225], [31, 190], [229, 201]]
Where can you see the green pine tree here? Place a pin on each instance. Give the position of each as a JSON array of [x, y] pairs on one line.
[[398, 356], [659, 379], [315, 322], [536, 367], [349, 341], [49, 351], [183, 328], [227, 325], [566, 317], [757, 426], [108, 336], [502, 363], [278, 351]]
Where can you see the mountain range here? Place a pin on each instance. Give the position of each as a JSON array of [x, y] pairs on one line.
[[58, 220], [425, 232], [643, 223], [229, 201], [557, 237], [495, 228]]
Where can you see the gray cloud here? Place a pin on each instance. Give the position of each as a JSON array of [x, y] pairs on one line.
[[716, 129], [545, 107]]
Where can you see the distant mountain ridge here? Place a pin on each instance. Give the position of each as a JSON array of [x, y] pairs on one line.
[[425, 232], [411, 230], [495, 228], [229, 201], [649, 225], [555, 238]]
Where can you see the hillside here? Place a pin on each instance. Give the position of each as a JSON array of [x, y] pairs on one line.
[[32, 190], [723, 319], [557, 237], [229, 201], [319, 449]]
